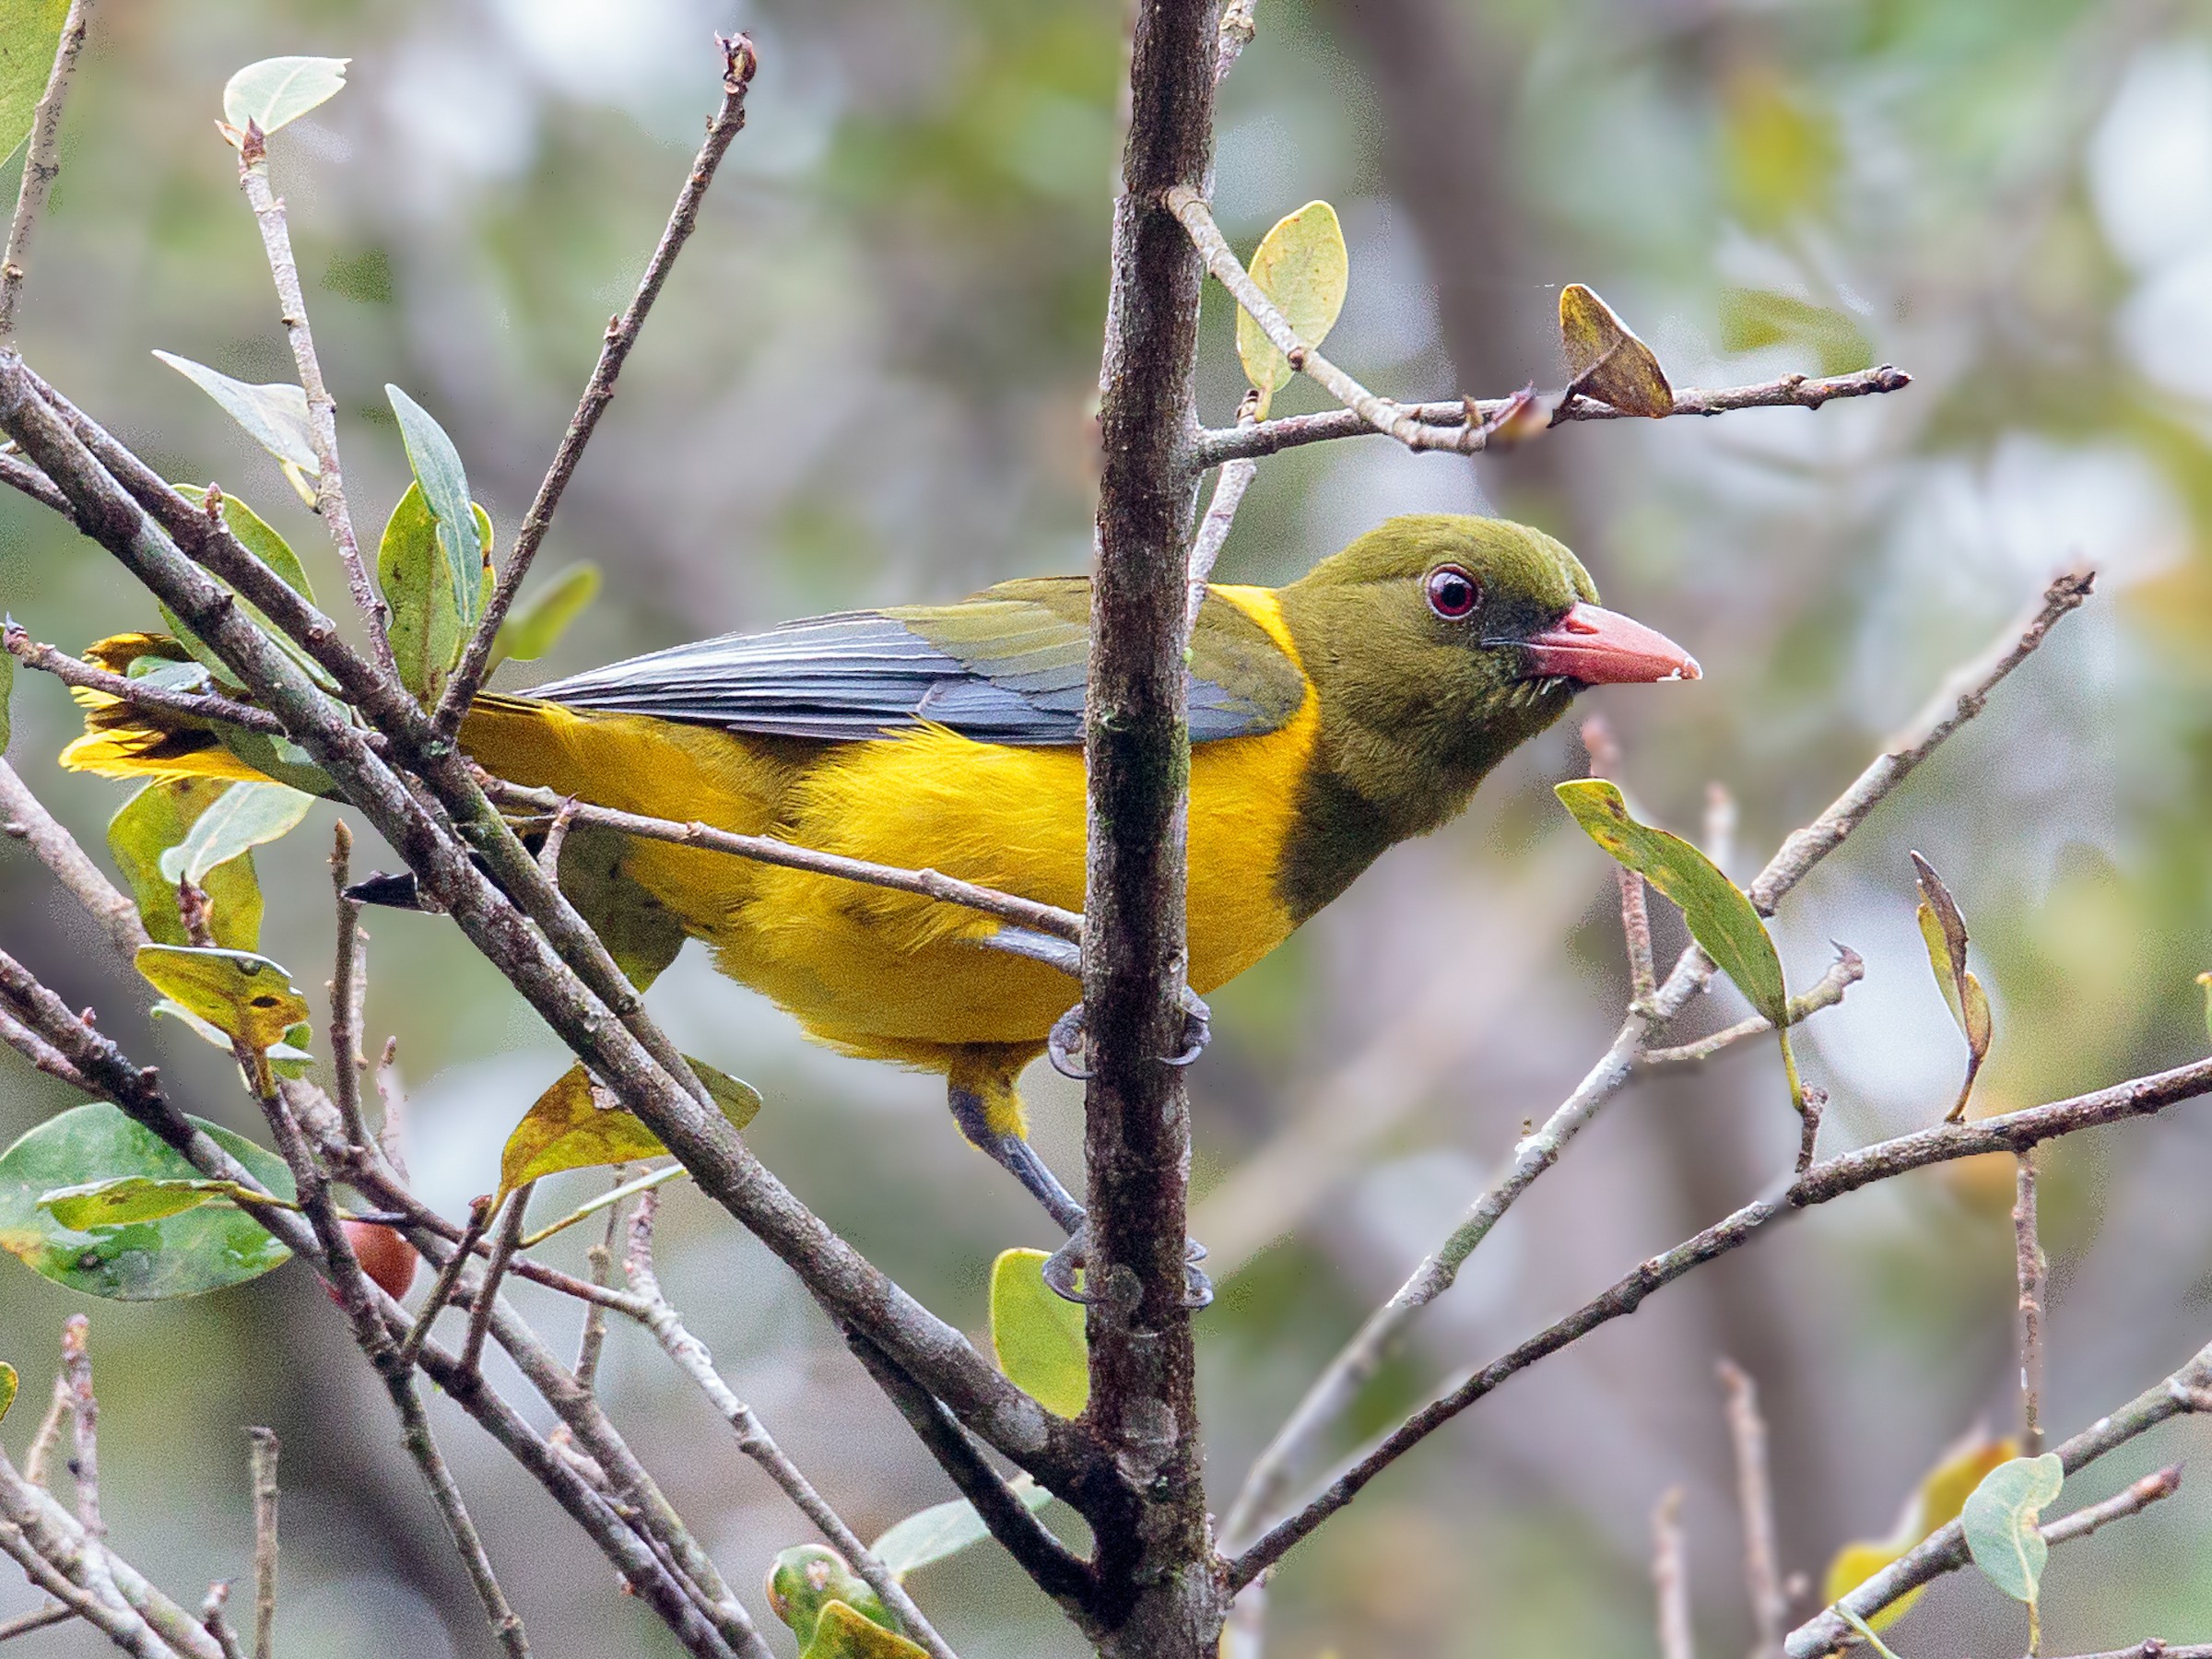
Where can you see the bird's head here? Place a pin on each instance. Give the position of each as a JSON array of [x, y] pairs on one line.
[[1441, 642]]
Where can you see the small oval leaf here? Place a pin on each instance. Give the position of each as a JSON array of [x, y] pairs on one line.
[[1302, 266], [246, 997], [808, 1578], [943, 1530], [428, 629], [2002, 1521], [205, 1248], [535, 626], [276, 91], [1605, 359], [437, 467], [158, 818], [245, 817], [566, 1128], [1943, 930], [274, 415], [1037, 1335]]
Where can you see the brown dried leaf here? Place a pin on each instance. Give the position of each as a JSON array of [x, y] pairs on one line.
[[1605, 359]]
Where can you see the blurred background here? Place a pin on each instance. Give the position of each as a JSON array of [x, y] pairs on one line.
[[872, 380]]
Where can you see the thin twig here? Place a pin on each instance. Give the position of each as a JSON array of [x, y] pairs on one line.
[[612, 1197], [84, 1406], [48, 1436], [26, 815], [38, 1619], [1213, 447], [42, 165], [1236, 32], [2138, 1496], [486, 1294], [348, 976], [1670, 1577], [41, 1053], [2033, 1272], [124, 1626], [1635, 913], [442, 1288], [1848, 968], [1229, 489], [266, 1448], [693, 1360], [1829, 1180], [391, 1103], [213, 1620], [1755, 1504], [322, 409], [763, 849], [738, 61], [139, 693], [600, 1258], [557, 834]]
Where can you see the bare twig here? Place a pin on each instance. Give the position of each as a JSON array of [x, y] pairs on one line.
[[1236, 32], [347, 985], [485, 1296], [190, 705], [1670, 1577], [2135, 1498], [1229, 489], [557, 834], [763, 849], [124, 1626], [1755, 1504], [601, 1260], [1635, 912], [693, 1360], [58, 851], [48, 1436], [84, 1457], [38, 1619], [266, 1448], [41, 1053], [392, 1109], [42, 165], [213, 1620], [1846, 971], [442, 1288], [2033, 1271], [322, 409], [1826, 1180], [738, 62], [1791, 391]]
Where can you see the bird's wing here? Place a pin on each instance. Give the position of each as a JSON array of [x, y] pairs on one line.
[[1005, 666]]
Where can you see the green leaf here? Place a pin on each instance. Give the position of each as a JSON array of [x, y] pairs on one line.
[[29, 33], [943, 1530], [844, 1632], [808, 1578], [2002, 1521], [205, 1248], [161, 817], [437, 467], [535, 625], [567, 1128], [1936, 1502], [274, 416], [429, 630], [245, 996], [1721, 919], [1605, 359], [8, 1384], [1038, 1336], [244, 817], [1754, 319], [1302, 266], [121, 1199], [1943, 930], [276, 91]]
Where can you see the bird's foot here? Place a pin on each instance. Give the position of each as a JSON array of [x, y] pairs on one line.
[[1064, 1268], [1065, 1041]]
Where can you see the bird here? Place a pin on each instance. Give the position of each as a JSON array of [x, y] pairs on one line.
[[1331, 718]]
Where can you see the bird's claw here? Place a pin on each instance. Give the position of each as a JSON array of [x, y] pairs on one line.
[[1067, 1038], [1063, 1266]]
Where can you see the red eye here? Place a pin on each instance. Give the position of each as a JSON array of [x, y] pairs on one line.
[[1453, 593]]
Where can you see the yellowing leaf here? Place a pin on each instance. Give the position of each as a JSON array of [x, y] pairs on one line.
[[121, 1199], [1941, 1494], [567, 1128], [158, 818], [1943, 930], [1781, 153], [243, 995], [842, 1633], [1606, 361], [806, 1580], [1302, 266], [9, 1385], [1038, 1336], [2002, 1521]]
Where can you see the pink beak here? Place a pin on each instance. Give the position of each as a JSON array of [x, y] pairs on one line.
[[1599, 647]]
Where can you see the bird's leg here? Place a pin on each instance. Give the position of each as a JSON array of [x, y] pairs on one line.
[[1011, 1150], [1067, 1039]]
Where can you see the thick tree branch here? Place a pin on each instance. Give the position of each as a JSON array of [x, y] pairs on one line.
[[738, 62]]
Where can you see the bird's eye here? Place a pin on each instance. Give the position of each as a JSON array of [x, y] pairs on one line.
[[1453, 593]]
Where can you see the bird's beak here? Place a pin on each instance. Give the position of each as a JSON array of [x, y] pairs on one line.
[[1599, 647]]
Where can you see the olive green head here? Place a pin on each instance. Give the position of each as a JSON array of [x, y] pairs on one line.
[[1439, 644]]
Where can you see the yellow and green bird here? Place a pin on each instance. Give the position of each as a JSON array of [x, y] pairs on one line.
[[1329, 719]]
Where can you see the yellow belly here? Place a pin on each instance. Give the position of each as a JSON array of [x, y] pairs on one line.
[[882, 974]]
